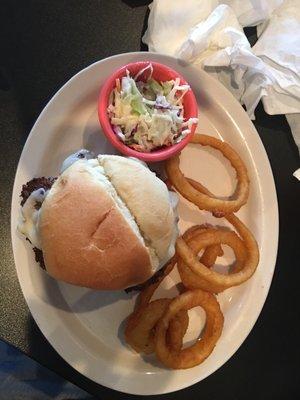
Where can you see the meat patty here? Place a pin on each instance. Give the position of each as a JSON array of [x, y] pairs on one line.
[[27, 189], [34, 184], [153, 279]]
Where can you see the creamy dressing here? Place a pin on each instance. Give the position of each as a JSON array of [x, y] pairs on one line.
[[82, 154], [28, 222]]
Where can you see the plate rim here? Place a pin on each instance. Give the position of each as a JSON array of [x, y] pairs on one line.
[[268, 176]]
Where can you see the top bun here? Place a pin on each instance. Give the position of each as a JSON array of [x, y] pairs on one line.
[[146, 197], [106, 224]]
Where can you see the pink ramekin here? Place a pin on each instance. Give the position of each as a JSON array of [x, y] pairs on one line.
[[160, 73]]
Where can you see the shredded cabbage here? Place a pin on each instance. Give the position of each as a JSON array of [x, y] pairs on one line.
[[147, 114]]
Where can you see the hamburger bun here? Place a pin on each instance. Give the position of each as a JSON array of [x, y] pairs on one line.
[[106, 224]]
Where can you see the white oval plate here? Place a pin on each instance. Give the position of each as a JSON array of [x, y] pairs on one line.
[[86, 327]]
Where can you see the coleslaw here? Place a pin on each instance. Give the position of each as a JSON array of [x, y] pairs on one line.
[[147, 115]]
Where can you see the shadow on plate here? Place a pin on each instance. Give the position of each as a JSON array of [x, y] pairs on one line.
[[77, 299]]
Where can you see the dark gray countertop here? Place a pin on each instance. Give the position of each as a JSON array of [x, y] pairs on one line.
[[44, 43]]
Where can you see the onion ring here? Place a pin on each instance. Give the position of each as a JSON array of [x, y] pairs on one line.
[[198, 352], [208, 259], [210, 254], [244, 247], [140, 328], [177, 329], [192, 280], [200, 196]]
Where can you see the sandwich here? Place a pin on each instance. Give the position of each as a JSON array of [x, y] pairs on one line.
[[105, 223]]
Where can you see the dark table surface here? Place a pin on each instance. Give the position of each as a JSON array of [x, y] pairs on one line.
[[44, 43]]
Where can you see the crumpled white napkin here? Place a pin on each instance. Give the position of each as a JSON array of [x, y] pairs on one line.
[[252, 12], [279, 50], [210, 35]]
